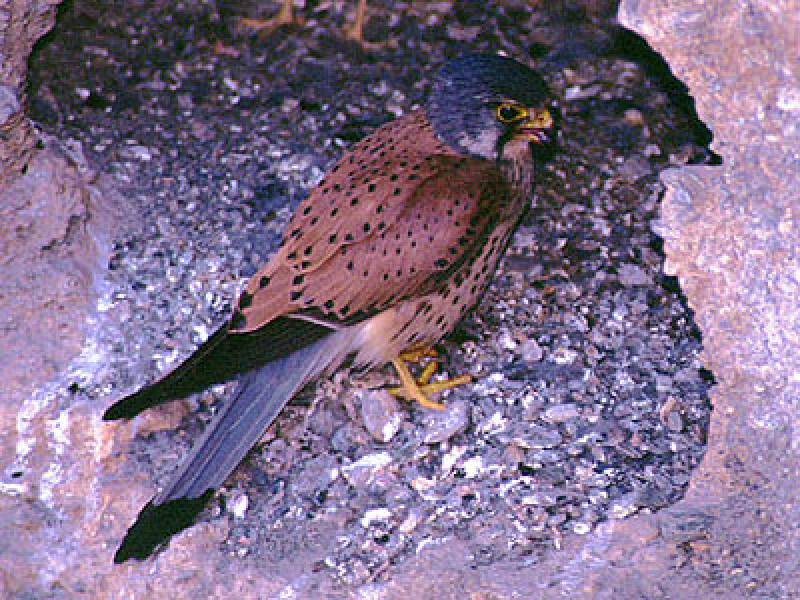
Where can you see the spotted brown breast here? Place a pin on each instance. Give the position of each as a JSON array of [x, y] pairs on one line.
[[402, 217]]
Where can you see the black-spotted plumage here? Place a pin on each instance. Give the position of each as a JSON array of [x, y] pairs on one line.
[[386, 255]]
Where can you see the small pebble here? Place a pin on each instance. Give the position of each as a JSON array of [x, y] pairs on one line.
[[558, 413], [532, 405], [473, 467], [535, 436], [631, 275], [581, 528], [652, 150], [238, 506], [381, 414], [624, 506], [675, 421], [411, 521], [375, 514], [366, 468], [634, 168], [508, 342], [576, 92], [634, 116], [531, 351], [442, 425]]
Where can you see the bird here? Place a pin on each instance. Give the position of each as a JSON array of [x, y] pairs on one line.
[[388, 252], [286, 16]]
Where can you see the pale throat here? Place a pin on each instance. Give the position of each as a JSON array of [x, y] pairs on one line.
[[518, 166]]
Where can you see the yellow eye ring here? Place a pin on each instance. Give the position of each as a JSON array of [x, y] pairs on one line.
[[509, 112]]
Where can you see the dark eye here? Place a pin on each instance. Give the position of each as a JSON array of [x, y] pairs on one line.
[[508, 113]]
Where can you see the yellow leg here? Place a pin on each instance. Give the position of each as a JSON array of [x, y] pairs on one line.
[[284, 17], [435, 387], [427, 373], [420, 389], [410, 389], [446, 384], [356, 31], [416, 356]]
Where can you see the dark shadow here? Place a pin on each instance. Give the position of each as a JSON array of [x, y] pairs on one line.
[[630, 45]]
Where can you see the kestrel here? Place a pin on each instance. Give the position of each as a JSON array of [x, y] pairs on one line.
[[383, 258], [286, 16]]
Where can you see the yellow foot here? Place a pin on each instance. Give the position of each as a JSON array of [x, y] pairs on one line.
[[427, 373], [284, 17], [418, 355], [420, 390], [355, 32]]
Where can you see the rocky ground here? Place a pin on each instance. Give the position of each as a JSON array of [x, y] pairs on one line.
[[590, 402]]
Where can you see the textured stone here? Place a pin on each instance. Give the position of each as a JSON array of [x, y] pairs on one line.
[[731, 235], [54, 231], [558, 413], [55, 223], [444, 424], [21, 25], [381, 414]]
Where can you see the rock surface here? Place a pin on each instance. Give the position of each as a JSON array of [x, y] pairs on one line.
[[21, 25], [55, 224], [52, 243], [54, 229], [732, 234], [56, 219]]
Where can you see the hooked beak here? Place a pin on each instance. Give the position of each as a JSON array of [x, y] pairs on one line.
[[537, 127]]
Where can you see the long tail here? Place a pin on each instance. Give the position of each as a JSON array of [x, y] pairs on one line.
[[259, 398], [221, 358], [261, 395]]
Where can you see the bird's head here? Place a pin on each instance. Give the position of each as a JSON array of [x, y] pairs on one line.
[[489, 106]]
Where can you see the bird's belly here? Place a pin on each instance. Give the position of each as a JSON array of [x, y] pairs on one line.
[[409, 325], [424, 320], [377, 341]]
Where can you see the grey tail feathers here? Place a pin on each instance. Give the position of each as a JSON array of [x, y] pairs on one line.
[[259, 398]]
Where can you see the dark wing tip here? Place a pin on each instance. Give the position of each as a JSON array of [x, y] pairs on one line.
[[116, 411], [157, 523], [128, 407]]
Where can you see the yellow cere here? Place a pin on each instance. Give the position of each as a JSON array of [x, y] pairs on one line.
[[541, 119]]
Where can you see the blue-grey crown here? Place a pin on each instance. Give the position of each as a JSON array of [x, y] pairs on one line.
[[459, 106]]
